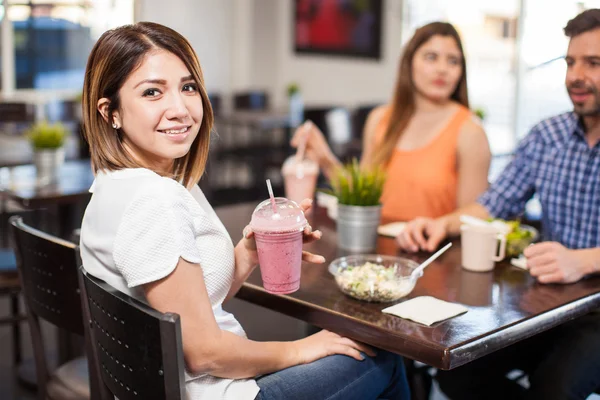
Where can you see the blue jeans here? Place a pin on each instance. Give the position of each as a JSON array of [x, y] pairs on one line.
[[339, 377], [562, 363]]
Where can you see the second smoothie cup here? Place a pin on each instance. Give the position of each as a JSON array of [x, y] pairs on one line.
[[278, 234]]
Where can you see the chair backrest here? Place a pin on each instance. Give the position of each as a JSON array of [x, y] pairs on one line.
[[16, 112], [48, 269], [254, 100], [136, 350]]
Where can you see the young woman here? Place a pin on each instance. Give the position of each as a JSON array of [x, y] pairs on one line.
[[436, 155], [149, 231]]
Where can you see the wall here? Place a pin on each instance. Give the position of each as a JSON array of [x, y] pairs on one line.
[[248, 44], [326, 80], [207, 24]]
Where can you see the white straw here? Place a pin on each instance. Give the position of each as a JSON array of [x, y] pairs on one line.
[[430, 260], [275, 213], [270, 189]]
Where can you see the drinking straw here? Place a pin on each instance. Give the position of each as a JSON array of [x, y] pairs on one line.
[[271, 196]]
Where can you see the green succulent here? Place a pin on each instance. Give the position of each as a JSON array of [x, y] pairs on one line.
[[47, 136], [356, 186], [292, 88], [480, 112]]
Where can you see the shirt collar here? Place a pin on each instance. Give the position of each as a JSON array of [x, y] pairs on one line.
[[576, 126], [121, 174]]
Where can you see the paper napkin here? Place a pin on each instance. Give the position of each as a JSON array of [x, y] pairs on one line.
[[393, 229], [520, 262], [426, 310]]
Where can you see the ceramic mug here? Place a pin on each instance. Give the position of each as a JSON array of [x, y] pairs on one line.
[[482, 246]]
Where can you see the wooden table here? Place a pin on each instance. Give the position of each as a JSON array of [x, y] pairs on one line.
[[20, 184], [505, 306]]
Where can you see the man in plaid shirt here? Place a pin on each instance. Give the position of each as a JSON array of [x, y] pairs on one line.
[[559, 160]]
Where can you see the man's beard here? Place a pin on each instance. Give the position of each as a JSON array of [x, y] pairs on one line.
[[581, 109]]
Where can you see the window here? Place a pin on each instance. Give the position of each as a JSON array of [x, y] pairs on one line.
[[517, 81], [52, 39]]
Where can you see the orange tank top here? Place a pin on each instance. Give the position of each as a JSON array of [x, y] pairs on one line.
[[423, 182]]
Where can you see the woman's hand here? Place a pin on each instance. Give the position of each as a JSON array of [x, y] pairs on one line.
[[309, 236], [422, 234], [316, 146], [325, 343]]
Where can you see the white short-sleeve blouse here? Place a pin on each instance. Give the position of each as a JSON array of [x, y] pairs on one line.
[[134, 230]]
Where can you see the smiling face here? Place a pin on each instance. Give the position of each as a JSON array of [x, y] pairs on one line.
[[583, 73], [437, 68], [160, 112]]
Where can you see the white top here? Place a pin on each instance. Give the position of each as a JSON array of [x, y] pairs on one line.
[[134, 230]]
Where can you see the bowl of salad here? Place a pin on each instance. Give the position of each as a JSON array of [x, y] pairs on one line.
[[518, 236], [373, 277]]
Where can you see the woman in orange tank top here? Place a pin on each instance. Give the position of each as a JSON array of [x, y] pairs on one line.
[[436, 155]]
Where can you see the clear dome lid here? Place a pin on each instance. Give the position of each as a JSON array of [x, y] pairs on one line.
[[287, 217]]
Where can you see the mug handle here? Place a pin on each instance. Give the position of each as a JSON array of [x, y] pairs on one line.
[[502, 252]]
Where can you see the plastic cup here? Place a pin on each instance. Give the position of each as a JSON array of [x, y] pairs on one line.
[[299, 178], [278, 238]]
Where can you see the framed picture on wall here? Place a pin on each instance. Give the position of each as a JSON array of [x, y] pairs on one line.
[[338, 27]]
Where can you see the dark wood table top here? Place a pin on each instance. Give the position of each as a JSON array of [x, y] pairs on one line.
[[504, 306], [20, 184]]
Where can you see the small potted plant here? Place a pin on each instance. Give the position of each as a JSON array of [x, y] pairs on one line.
[[480, 113], [358, 191], [47, 141], [296, 104]]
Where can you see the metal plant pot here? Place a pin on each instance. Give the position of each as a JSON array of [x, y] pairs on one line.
[[357, 227], [47, 164]]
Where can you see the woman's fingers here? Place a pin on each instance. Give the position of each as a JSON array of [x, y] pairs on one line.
[[314, 236], [312, 258], [359, 346], [306, 204], [406, 241], [347, 351], [248, 233], [301, 133]]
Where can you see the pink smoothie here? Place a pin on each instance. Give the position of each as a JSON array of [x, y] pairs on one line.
[[278, 236], [299, 178], [280, 259]]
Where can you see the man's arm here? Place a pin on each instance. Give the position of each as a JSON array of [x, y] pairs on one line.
[[505, 198]]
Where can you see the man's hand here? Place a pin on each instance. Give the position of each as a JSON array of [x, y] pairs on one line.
[[551, 262]]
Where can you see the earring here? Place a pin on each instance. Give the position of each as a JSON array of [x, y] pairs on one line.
[[114, 125]]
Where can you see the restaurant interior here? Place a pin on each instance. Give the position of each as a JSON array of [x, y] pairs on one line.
[[263, 78]]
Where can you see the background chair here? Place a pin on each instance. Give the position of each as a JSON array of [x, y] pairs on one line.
[[48, 273], [135, 350], [10, 287], [252, 101], [15, 118]]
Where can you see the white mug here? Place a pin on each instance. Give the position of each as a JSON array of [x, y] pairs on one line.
[[480, 247]]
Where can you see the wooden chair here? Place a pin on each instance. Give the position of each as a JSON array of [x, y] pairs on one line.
[[252, 101], [47, 269], [10, 287], [136, 351]]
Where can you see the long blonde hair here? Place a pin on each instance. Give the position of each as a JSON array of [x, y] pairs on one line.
[[114, 57], [403, 102]]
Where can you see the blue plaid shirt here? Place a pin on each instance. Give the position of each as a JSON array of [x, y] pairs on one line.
[[555, 162]]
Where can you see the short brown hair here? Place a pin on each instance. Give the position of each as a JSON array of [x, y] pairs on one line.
[[114, 57], [584, 22]]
